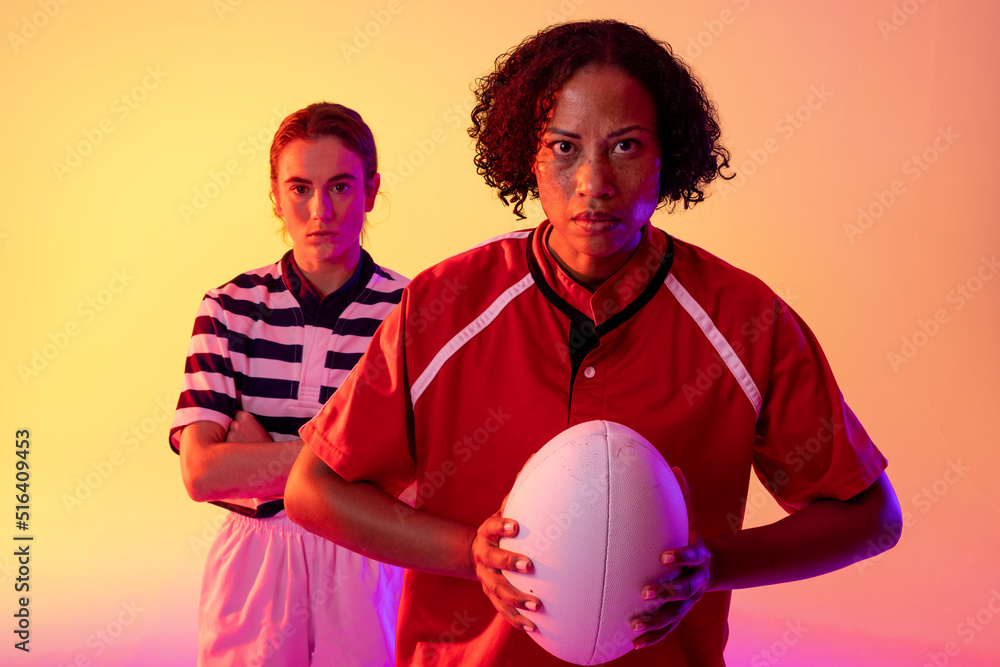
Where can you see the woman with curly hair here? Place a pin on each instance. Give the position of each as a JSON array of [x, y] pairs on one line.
[[594, 314], [514, 103]]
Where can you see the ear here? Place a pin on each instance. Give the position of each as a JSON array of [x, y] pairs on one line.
[[275, 200], [372, 192]]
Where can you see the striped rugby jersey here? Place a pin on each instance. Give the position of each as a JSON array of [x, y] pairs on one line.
[[264, 342]]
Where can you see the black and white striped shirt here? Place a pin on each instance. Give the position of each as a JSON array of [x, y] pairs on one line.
[[266, 343]]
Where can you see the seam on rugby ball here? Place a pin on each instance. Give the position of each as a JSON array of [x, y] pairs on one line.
[[607, 544]]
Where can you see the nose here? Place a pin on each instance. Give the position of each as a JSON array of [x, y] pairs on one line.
[[594, 177], [322, 205]]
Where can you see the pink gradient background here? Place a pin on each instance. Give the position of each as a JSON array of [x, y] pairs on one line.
[[106, 269]]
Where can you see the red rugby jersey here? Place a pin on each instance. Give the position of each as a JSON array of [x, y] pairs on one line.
[[494, 351]]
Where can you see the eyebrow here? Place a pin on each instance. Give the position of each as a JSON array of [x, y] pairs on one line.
[[337, 177], [566, 133], [626, 130], [616, 133]]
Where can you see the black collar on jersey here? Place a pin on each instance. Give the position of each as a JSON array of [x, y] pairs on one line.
[[584, 334], [583, 319], [326, 310]]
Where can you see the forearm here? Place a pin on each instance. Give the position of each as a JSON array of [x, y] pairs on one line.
[[249, 469], [214, 469], [365, 519], [825, 536]]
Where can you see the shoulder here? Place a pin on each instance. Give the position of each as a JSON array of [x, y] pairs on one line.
[[711, 279], [492, 265], [450, 296], [253, 295], [252, 284], [383, 287], [386, 280], [393, 278]]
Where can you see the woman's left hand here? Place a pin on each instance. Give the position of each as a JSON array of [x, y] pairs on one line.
[[671, 599]]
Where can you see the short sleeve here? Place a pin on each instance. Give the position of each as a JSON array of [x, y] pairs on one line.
[[365, 431], [809, 444], [209, 390]]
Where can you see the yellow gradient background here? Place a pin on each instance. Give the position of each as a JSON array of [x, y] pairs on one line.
[[825, 107]]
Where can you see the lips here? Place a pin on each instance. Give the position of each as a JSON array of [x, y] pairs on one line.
[[595, 216], [595, 222]]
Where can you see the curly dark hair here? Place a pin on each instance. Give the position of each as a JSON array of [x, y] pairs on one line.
[[513, 103]]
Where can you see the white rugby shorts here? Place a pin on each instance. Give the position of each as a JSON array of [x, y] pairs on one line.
[[275, 594]]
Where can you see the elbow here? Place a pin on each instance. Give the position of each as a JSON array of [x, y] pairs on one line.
[[310, 495], [295, 506], [200, 494], [194, 472], [888, 525], [886, 534], [196, 444], [196, 488], [297, 494], [892, 524], [895, 521]]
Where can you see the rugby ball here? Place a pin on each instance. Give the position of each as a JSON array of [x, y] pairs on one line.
[[595, 508]]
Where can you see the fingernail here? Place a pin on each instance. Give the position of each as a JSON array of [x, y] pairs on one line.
[[638, 626], [528, 628], [638, 643], [508, 527], [667, 558], [531, 605], [521, 565], [648, 594]]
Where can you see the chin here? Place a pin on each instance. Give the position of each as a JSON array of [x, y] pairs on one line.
[[599, 249]]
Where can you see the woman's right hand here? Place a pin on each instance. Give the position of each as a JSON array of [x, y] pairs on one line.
[[489, 561], [246, 428]]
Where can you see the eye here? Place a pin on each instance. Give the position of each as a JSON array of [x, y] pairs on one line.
[[562, 147], [340, 188], [626, 146], [299, 189]]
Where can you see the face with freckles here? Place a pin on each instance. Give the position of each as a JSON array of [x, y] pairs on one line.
[[598, 171], [322, 197]]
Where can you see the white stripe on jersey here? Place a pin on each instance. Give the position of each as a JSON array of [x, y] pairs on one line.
[[718, 341], [467, 334]]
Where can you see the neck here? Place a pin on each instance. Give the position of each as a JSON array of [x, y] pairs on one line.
[[327, 277], [591, 274], [589, 271]]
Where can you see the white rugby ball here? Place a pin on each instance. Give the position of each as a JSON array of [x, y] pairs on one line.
[[595, 507]]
